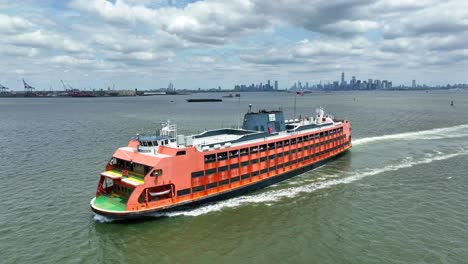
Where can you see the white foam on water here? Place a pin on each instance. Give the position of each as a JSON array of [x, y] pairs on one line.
[[431, 134], [102, 219], [269, 197]]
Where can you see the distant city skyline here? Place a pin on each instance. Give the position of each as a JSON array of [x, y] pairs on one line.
[[95, 44], [343, 84]]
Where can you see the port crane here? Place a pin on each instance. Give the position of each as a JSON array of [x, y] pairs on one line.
[[28, 89], [3, 89], [64, 86]]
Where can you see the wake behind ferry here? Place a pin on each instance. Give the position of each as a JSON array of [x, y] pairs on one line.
[[158, 173]]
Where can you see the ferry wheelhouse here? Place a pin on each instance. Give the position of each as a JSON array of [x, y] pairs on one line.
[[157, 173]]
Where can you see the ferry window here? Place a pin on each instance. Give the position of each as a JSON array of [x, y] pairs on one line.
[[183, 192], [263, 159], [244, 151], [166, 141], [280, 155], [299, 139], [198, 188], [234, 166], [234, 153], [299, 149], [253, 150], [263, 171], [286, 153], [244, 163], [180, 153], [211, 185], [263, 148], [157, 172], [306, 138], [254, 161], [321, 134], [245, 176], [287, 163], [223, 168], [326, 133], [223, 182], [235, 179], [255, 173], [271, 168], [197, 174], [271, 146], [286, 142], [271, 157], [293, 141], [280, 166], [210, 171], [262, 128], [210, 158], [293, 151], [256, 128], [222, 156], [279, 144]]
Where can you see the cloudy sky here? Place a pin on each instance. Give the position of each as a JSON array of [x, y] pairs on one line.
[[148, 43]]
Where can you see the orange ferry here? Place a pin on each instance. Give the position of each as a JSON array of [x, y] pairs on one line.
[[157, 173]]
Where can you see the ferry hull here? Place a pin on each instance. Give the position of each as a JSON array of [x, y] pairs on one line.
[[213, 198]]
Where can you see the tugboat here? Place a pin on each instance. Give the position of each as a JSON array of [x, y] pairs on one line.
[[158, 173]]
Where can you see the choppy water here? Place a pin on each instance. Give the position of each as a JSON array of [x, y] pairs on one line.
[[398, 196]]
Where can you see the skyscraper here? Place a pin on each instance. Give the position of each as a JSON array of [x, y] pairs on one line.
[[276, 85], [414, 84], [342, 78]]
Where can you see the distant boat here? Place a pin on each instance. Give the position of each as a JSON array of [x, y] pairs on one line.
[[451, 103], [203, 100], [82, 94], [228, 96], [153, 93]]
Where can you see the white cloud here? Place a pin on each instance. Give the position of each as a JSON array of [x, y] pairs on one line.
[[11, 50], [350, 27], [119, 12], [70, 60], [47, 40], [235, 39], [211, 21], [13, 24]]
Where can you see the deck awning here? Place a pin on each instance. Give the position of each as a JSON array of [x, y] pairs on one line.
[[131, 179], [137, 157]]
